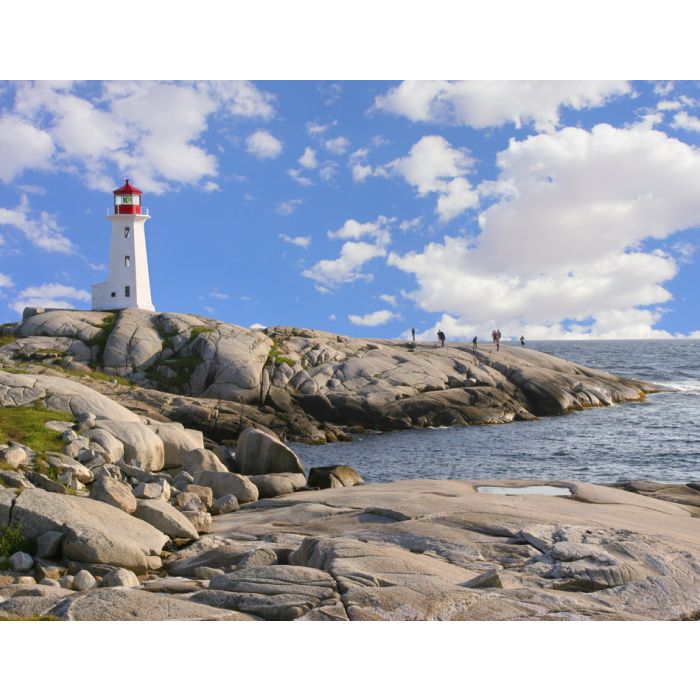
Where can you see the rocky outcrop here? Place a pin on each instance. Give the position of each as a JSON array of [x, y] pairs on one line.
[[314, 386], [333, 477], [258, 452], [94, 532]]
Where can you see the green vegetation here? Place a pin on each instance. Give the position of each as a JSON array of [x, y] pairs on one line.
[[99, 376], [183, 367], [275, 357], [26, 425], [6, 339], [32, 618], [39, 355], [100, 340], [12, 540], [196, 331]]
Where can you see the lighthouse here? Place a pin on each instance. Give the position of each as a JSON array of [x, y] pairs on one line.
[[128, 285]]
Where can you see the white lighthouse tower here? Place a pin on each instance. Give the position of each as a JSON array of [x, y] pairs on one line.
[[128, 285]]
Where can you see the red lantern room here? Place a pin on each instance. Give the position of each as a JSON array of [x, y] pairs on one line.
[[127, 200]]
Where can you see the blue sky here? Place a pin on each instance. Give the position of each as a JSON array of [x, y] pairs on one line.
[[551, 208]]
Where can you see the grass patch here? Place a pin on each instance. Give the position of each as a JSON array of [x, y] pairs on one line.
[[275, 357], [12, 540], [6, 339], [99, 376], [100, 340], [196, 331], [25, 424], [31, 618]]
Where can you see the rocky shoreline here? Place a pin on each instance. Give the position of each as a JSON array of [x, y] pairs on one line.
[[112, 510]]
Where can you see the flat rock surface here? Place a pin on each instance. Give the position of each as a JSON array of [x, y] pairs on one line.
[[413, 549]]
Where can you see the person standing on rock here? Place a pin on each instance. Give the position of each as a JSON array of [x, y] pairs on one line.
[[441, 338], [474, 343], [522, 340], [498, 339], [413, 333]]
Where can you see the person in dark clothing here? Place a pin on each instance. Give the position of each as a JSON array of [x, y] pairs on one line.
[[441, 338], [522, 340], [474, 344], [413, 333]]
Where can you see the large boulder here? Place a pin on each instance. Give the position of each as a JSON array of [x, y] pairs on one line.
[[140, 443], [177, 441], [94, 532], [199, 459], [84, 325], [60, 394], [114, 492], [222, 484], [133, 344], [271, 485], [258, 452], [166, 518], [334, 477]]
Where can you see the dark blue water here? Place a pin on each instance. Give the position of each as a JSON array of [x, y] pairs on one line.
[[658, 439]]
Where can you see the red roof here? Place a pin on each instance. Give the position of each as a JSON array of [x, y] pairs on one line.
[[127, 189]]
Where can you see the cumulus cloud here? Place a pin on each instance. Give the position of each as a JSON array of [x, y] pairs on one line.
[[41, 230], [353, 254], [149, 130], [486, 103], [300, 241], [376, 318], [308, 159], [23, 147], [337, 145], [388, 298], [683, 120], [218, 295], [296, 175], [5, 281], [49, 295], [567, 246], [262, 144]]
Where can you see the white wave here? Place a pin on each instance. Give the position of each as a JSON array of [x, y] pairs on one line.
[[687, 386]]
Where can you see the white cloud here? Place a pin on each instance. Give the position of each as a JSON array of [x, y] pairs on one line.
[[318, 129], [431, 166], [209, 309], [353, 254], [149, 131], [565, 248], [286, 208], [683, 120], [332, 317], [337, 145], [42, 231], [211, 187], [300, 179], [308, 159], [262, 144], [257, 327], [5, 281], [410, 224], [663, 88], [327, 171], [301, 241], [376, 318], [388, 298], [218, 295], [23, 147], [486, 103], [49, 295], [347, 267]]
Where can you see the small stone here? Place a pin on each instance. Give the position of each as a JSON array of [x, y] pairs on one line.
[[207, 572], [189, 501], [258, 557], [49, 582], [182, 480], [120, 577], [21, 561], [200, 520], [114, 492], [86, 417], [206, 495], [27, 580], [48, 545], [490, 579], [66, 581], [69, 436], [14, 456], [225, 504], [83, 581], [152, 490]]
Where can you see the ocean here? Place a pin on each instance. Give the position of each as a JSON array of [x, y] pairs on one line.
[[655, 440]]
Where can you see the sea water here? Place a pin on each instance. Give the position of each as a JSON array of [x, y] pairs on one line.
[[657, 439]]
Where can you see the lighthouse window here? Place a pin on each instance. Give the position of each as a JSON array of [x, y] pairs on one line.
[[127, 231], [127, 261], [127, 291], [114, 294], [126, 199]]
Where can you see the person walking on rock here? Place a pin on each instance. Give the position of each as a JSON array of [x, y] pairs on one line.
[[498, 339], [441, 338], [474, 344], [413, 333]]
